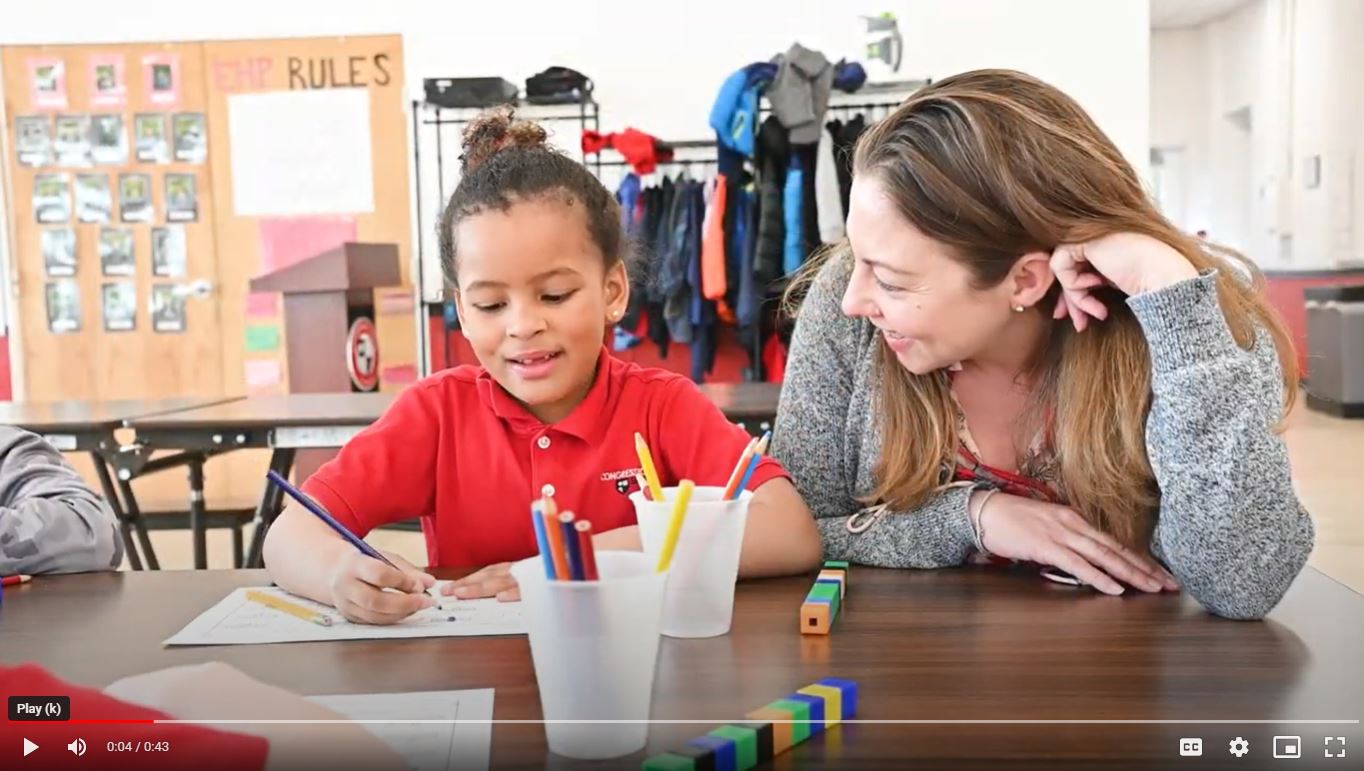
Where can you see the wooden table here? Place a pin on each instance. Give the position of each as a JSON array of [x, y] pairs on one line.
[[88, 426], [967, 644]]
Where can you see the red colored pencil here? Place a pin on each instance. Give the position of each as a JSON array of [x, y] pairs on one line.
[[15, 580], [587, 549]]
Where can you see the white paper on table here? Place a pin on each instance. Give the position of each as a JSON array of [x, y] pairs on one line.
[[238, 621], [431, 746], [301, 152]]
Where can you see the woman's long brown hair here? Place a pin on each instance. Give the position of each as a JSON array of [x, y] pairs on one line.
[[997, 164]]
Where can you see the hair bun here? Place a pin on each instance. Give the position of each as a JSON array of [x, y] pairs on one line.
[[495, 130]]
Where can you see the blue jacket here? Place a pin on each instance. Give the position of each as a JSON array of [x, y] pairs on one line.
[[734, 115]]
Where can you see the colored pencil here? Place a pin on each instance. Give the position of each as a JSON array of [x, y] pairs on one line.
[[643, 486], [762, 443], [15, 580], [646, 460], [748, 474], [551, 507], [575, 559], [537, 519], [758, 453], [285, 606], [321, 513], [665, 556], [739, 468], [555, 535], [587, 549]]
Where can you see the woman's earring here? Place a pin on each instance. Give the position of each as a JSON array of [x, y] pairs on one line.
[[1018, 309]]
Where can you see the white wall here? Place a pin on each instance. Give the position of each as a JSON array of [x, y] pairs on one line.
[[1295, 64], [658, 69]]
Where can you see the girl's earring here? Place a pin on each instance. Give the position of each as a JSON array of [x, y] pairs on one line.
[[1018, 309]]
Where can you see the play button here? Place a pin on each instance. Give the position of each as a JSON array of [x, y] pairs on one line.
[[29, 747]]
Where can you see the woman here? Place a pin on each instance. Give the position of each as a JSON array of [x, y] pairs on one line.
[[1015, 354]]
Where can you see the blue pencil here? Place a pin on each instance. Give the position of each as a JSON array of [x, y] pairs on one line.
[[575, 555], [748, 474], [537, 519], [321, 513]]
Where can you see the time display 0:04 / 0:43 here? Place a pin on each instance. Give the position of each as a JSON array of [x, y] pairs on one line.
[[142, 746]]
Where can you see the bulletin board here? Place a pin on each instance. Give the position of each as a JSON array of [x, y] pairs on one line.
[[297, 174]]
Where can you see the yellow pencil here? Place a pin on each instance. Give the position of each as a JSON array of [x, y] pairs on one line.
[[665, 556], [647, 461], [292, 608]]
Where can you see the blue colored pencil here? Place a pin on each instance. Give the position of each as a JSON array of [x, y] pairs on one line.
[[575, 555], [321, 513], [748, 474], [537, 518]]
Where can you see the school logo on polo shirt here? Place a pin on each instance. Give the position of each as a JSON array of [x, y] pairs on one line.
[[624, 479]]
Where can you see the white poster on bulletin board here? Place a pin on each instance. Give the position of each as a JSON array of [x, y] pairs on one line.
[[301, 152]]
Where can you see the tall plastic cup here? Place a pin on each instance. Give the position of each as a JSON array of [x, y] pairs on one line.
[[595, 649], [699, 599]]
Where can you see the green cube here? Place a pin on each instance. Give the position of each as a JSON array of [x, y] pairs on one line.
[[826, 591], [800, 712], [745, 744]]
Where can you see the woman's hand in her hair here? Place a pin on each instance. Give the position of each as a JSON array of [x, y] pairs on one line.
[[1131, 262], [1025, 529]]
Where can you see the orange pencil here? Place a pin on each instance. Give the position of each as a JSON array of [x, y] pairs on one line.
[[739, 467], [586, 549], [558, 550]]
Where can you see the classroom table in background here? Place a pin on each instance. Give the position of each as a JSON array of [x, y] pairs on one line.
[[88, 426], [752, 405], [937, 650], [284, 424]]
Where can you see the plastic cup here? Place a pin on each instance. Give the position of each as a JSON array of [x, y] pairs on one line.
[[699, 599], [595, 648]]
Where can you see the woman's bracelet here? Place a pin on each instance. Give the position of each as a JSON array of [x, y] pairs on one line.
[[977, 521]]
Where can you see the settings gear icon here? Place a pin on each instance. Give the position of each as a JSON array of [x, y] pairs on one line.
[[1239, 747]]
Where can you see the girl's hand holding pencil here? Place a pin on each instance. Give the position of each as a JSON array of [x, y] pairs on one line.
[[368, 591]]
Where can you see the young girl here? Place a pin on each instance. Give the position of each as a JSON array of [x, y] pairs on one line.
[[533, 246], [1016, 354]]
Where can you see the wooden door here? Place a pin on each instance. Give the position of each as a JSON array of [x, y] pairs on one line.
[[92, 351]]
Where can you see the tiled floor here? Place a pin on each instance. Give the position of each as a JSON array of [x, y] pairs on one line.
[[1328, 469]]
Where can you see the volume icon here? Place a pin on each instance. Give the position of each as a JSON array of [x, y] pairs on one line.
[[77, 747]]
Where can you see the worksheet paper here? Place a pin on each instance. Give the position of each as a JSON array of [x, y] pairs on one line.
[[426, 746], [238, 621]]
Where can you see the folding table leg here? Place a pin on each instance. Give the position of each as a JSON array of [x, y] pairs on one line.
[[198, 514], [125, 527], [139, 524], [281, 462]]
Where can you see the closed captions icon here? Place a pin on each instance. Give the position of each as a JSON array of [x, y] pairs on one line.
[[1191, 748]]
